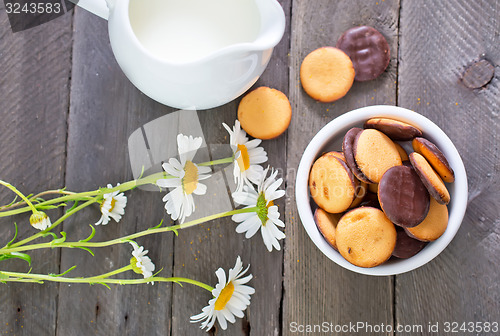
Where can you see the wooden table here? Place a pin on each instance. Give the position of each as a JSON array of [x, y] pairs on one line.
[[67, 111]]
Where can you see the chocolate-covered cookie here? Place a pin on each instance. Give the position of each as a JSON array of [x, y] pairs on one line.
[[433, 226], [348, 149], [394, 129], [368, 50], [403, 197], [406, 246], [435, 157], [430, 178]]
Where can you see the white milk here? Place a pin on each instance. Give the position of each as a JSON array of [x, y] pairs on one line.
[[186, 30]]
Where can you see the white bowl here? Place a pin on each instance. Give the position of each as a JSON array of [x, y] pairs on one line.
[[330, 138]]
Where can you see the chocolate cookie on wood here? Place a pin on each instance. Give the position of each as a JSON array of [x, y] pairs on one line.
[[394, 129], [406, 246], [348, 150], [365, 237], [368, 50], [435, 157], [430, 178], [403, 197], [332, 184]]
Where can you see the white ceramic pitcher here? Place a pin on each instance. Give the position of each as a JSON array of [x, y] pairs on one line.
[[208, 81]]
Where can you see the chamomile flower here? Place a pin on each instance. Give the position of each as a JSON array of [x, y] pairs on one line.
[[231, 298], [113, 205], [266, 218], [141, 264], [179, 202], [39, 220], [246, 167]]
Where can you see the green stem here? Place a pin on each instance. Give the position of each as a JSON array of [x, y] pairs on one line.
[[16, 277], [48, 192], [216, 162], [56, 223], [11, 187], [120, 270], [17, 247]]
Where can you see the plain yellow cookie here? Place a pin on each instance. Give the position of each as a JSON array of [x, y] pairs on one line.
[[327, 74], [265, 113]]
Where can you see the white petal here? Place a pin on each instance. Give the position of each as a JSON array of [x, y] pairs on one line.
[[201, 189], [221, 319], [169, 183], [238, 218], [221, 275]]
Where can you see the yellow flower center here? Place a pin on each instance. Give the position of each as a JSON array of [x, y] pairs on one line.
[[190, 179], [135, 268], [225, 295], [113, 203], [244, 159]]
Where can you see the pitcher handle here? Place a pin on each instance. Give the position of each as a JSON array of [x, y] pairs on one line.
[[97, 7]]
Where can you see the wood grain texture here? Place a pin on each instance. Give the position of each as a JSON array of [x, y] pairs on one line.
[[316, 289], [438, 41], [200, 251], [34, 97], [99, 126]]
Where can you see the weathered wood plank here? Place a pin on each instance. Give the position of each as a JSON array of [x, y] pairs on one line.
[[200, 251], [316, 289], [34, 96], [438, 40], [105, 109]]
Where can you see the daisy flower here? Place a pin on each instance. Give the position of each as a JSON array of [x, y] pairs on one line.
[[246, 166], [141, 264], [266, 218], [231, 298], [186, 176], [39, 220], [113, 205]]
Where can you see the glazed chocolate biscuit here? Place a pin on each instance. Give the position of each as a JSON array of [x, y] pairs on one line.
[[430, 178], [403, 197], [406, 246], [394, 129], [435, 157], [368, 50], [433, 226], [348, 149]]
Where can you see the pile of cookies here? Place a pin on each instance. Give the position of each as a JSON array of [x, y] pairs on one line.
[[361, 54], [374, 199]]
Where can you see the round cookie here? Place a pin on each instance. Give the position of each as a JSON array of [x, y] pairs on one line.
[[373, 188], [375, 153], [406, 246], [403, 197], [339, 155], [394, 129], [265, 113], [371, 200], [361, 191], [327, 224], [430, 178], [478, 74], [332, 185], [433, 226], [327, 74], [348, 150], [435, 157], [368, 50], [402, 152], [365, 237]]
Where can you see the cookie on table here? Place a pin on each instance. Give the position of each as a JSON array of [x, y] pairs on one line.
[[435, 157], [361, 191], [265, 113], [406, 246], [327, 225], [394, 129], [403, 197], [327, 74], [348, 150], [339, 155], [433, 226], [375, 153], [430, 178], [332, 184], [365, 237], [373, 188], [368, 50], [402, 152]]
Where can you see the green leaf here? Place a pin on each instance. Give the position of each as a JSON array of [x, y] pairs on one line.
[[60, 275], [54, 236], [157, 226], [73, 207], [17, 255], [15, 235], [175, 231], [59, 240], [89, 237], [3, 276], [86, 249]]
